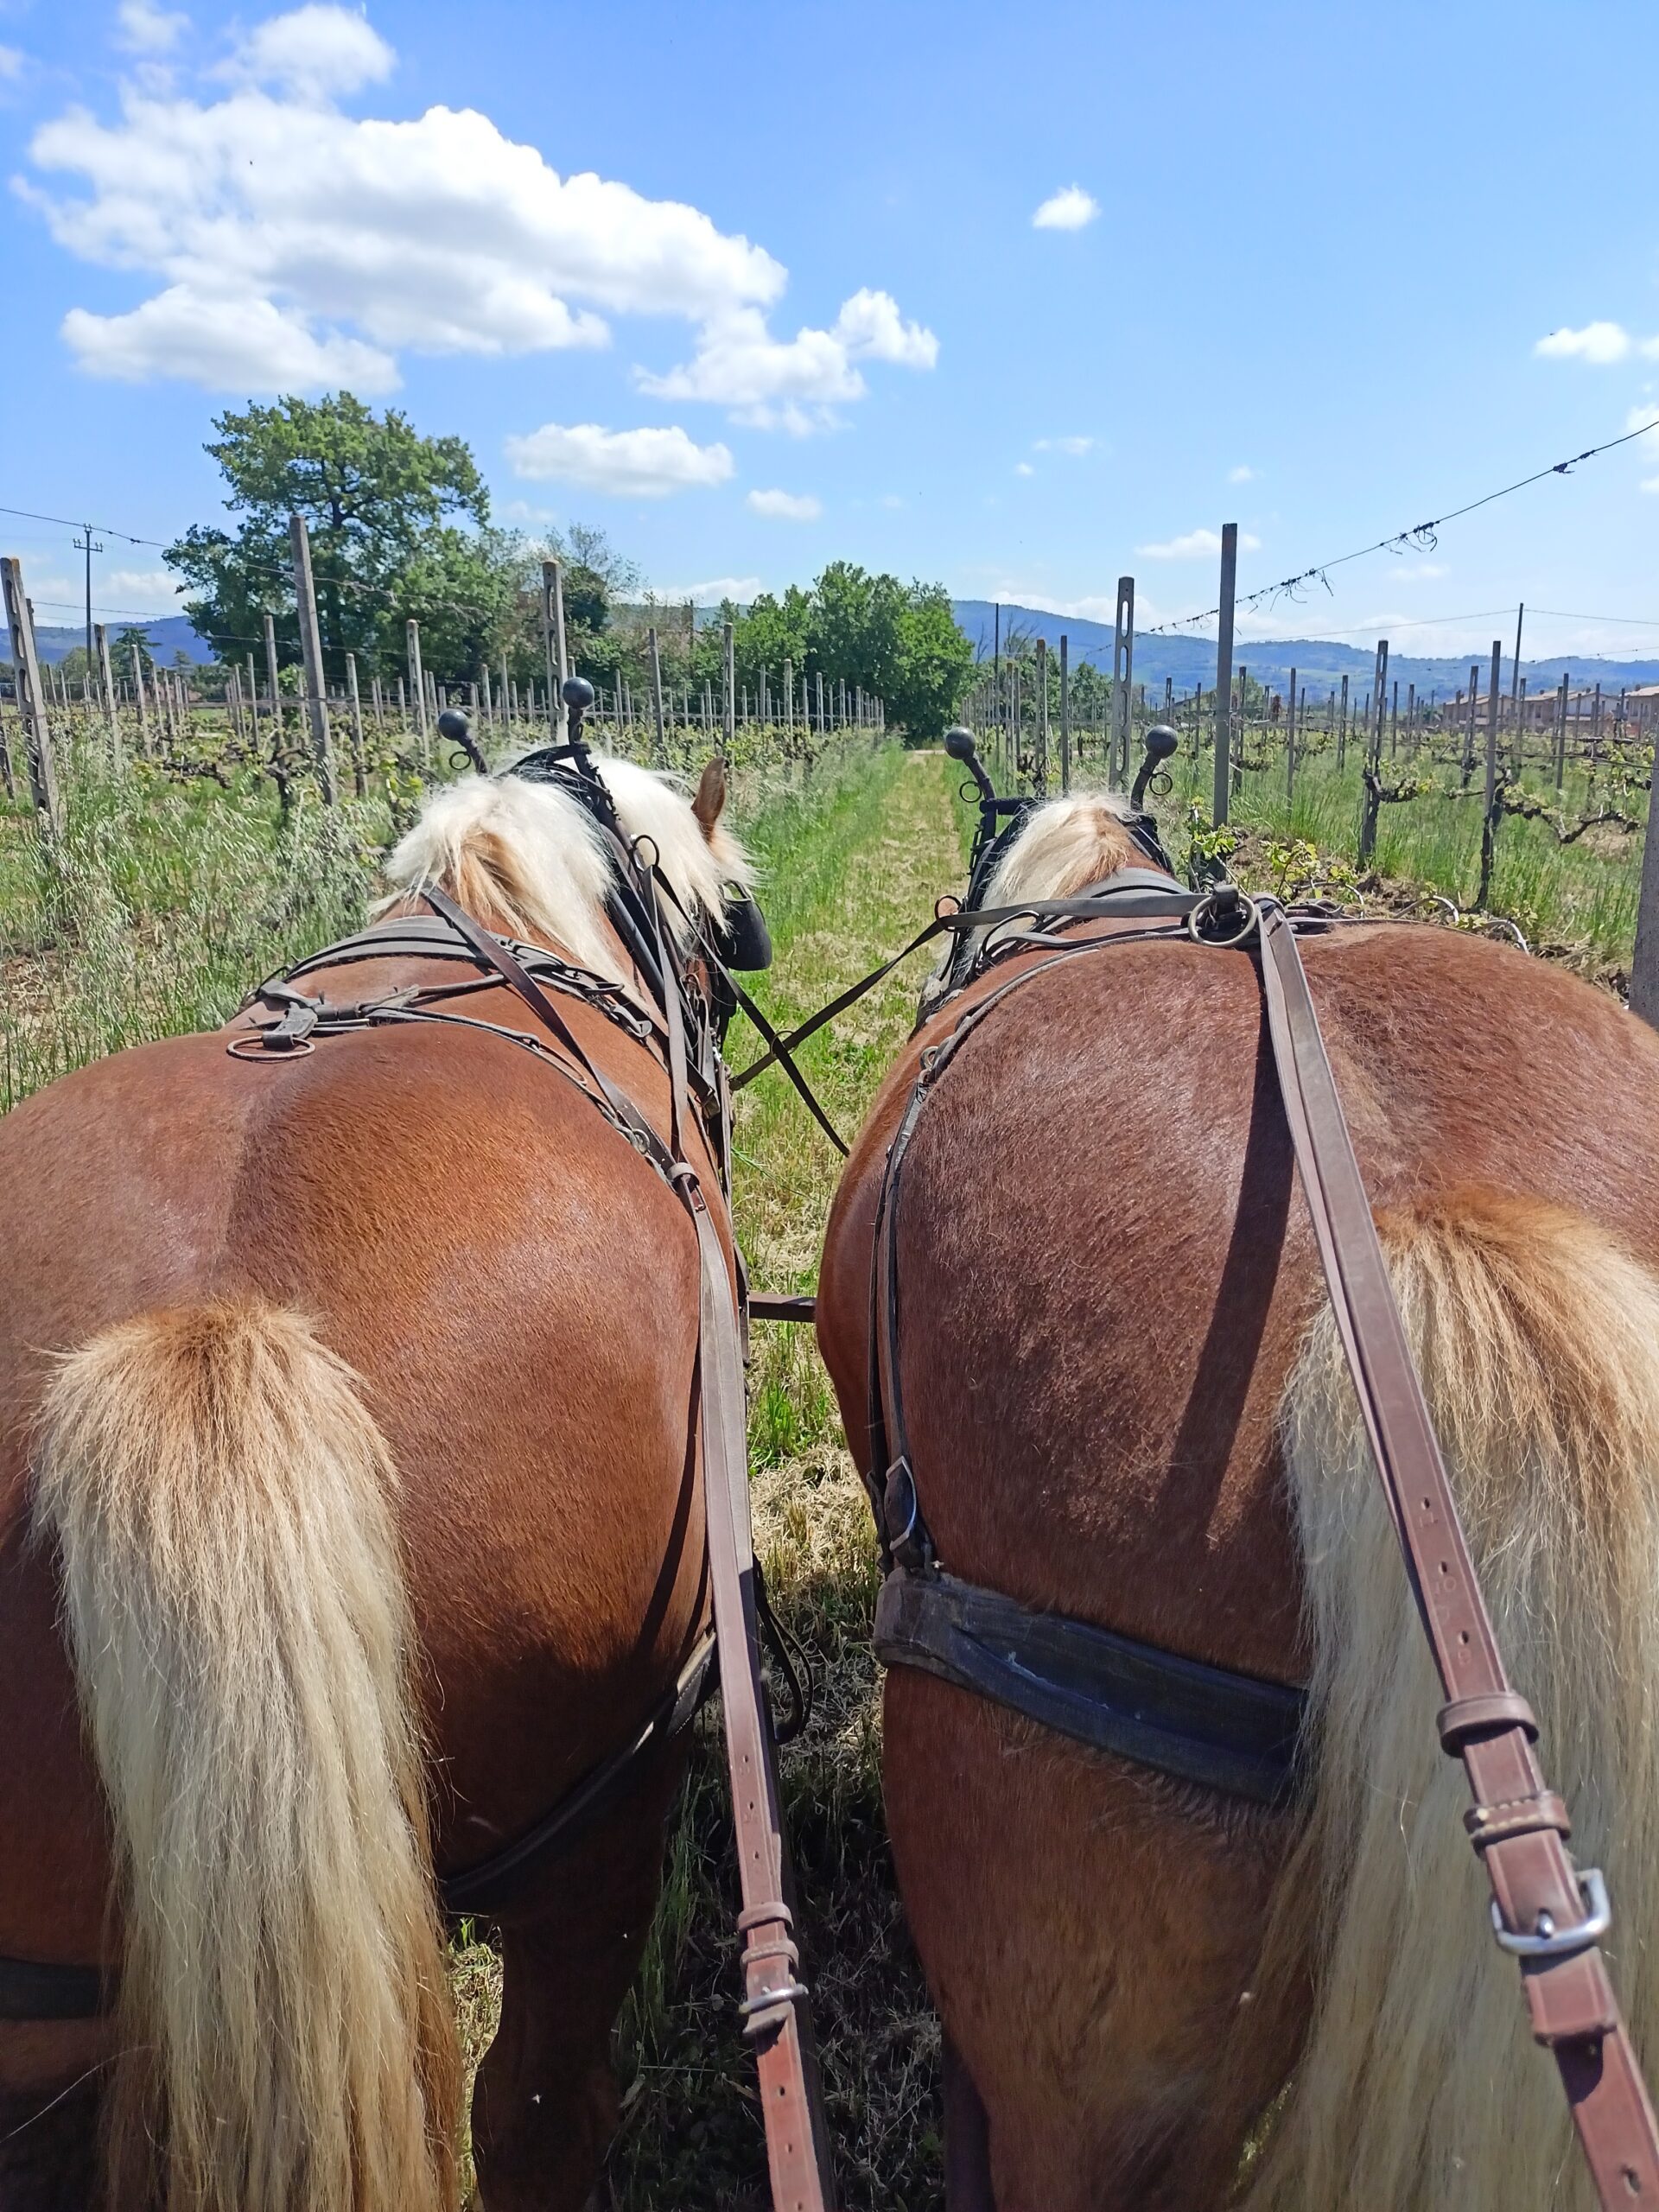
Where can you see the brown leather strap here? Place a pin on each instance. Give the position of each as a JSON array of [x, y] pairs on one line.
[[775, 2015], [1535, 1887]]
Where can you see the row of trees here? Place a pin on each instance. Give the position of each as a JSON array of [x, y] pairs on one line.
[[400, 526]]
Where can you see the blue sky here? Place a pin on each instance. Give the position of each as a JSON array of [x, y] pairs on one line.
[[757, 287]]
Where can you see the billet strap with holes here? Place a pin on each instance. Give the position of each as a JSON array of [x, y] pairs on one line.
[[1545, 1911], [775, 2008]]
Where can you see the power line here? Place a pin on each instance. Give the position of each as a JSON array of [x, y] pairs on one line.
[[1422, 538]]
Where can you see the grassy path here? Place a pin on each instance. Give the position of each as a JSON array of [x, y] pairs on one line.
[[849, 877]]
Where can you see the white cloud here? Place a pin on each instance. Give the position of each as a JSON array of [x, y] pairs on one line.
[[1243, 474], [11, 64], [1597, 342], [871, 327], [1651, 483], [741, 589], [314, 52], [793, 384], [785, 506], [1075, 447], [224, 344], [1068, 210], [892, 500], [272, 218], [644, 464], [1195, 544], [1023, 469], [1644, 418], [148, 29]]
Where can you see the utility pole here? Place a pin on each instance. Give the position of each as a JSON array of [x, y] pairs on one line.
[[88, 544]]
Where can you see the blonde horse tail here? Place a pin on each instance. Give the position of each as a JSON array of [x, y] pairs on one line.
[[1419, 2087], [235, 1613]]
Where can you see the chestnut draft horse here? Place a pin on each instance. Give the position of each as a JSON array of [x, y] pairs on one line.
[[1126, 1403], [349, 1492]]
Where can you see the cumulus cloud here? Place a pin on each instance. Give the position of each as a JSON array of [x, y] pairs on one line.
[[226, 344], [1023, 469], [266, 209], [289, 245], [1243, 474], [1074, 447], [145, 28], [11, 63], [1599, 343], [794, 383], [1196, 543], [644, 464], [785, 506], [316, 52], [1067, 210]]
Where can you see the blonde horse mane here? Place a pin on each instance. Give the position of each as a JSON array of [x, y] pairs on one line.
[[1419, 2087], [529, 856], [1066, 845]]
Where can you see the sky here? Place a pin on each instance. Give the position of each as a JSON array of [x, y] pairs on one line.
[[1016, 303]]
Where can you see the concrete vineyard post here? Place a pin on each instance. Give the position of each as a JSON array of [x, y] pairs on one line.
[[1487, 826], [1561, 738], [1224, 673], [31, 698], [1469, 724], [1290, 742], [553, 645], [359, 779], [1123, 675], [417, 682], [789, 706], [728, 689], [275, 696], [316, 696]]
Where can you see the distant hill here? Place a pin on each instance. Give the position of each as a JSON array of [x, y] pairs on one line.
[[168, 636], [1319, 664]]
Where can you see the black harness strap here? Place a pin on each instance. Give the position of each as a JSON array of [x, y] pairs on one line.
[[1201, 1724]]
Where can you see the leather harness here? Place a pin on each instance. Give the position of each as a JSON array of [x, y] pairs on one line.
[[775, 2005], [1232, 1732]]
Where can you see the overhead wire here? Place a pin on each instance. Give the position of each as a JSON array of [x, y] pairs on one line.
[[1421, 537]]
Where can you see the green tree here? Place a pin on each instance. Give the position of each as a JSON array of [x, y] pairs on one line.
[[378, 498]]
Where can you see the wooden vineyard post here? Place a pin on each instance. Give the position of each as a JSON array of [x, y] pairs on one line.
[[553, 646], [1042, 718], [1560, 734], [1066, 715], [316, 696], [1644, 964], [106, 677], [1222, 794], [31, 699], [1469, 724], [359, 779], [657, 697]]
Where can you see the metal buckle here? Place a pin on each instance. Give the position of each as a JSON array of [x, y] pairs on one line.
[[1552, 1942]]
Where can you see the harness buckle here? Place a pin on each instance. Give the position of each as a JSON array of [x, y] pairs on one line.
[[1548, 1942], [901, 1511], [1224, 917]]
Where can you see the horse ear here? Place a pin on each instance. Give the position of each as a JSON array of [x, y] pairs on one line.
[[710, 801]]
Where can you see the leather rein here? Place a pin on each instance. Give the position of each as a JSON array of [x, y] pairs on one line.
[[775, 2007], [1229, 1731]]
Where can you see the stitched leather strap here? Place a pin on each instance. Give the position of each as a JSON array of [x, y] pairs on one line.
[[1535, 1885]]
